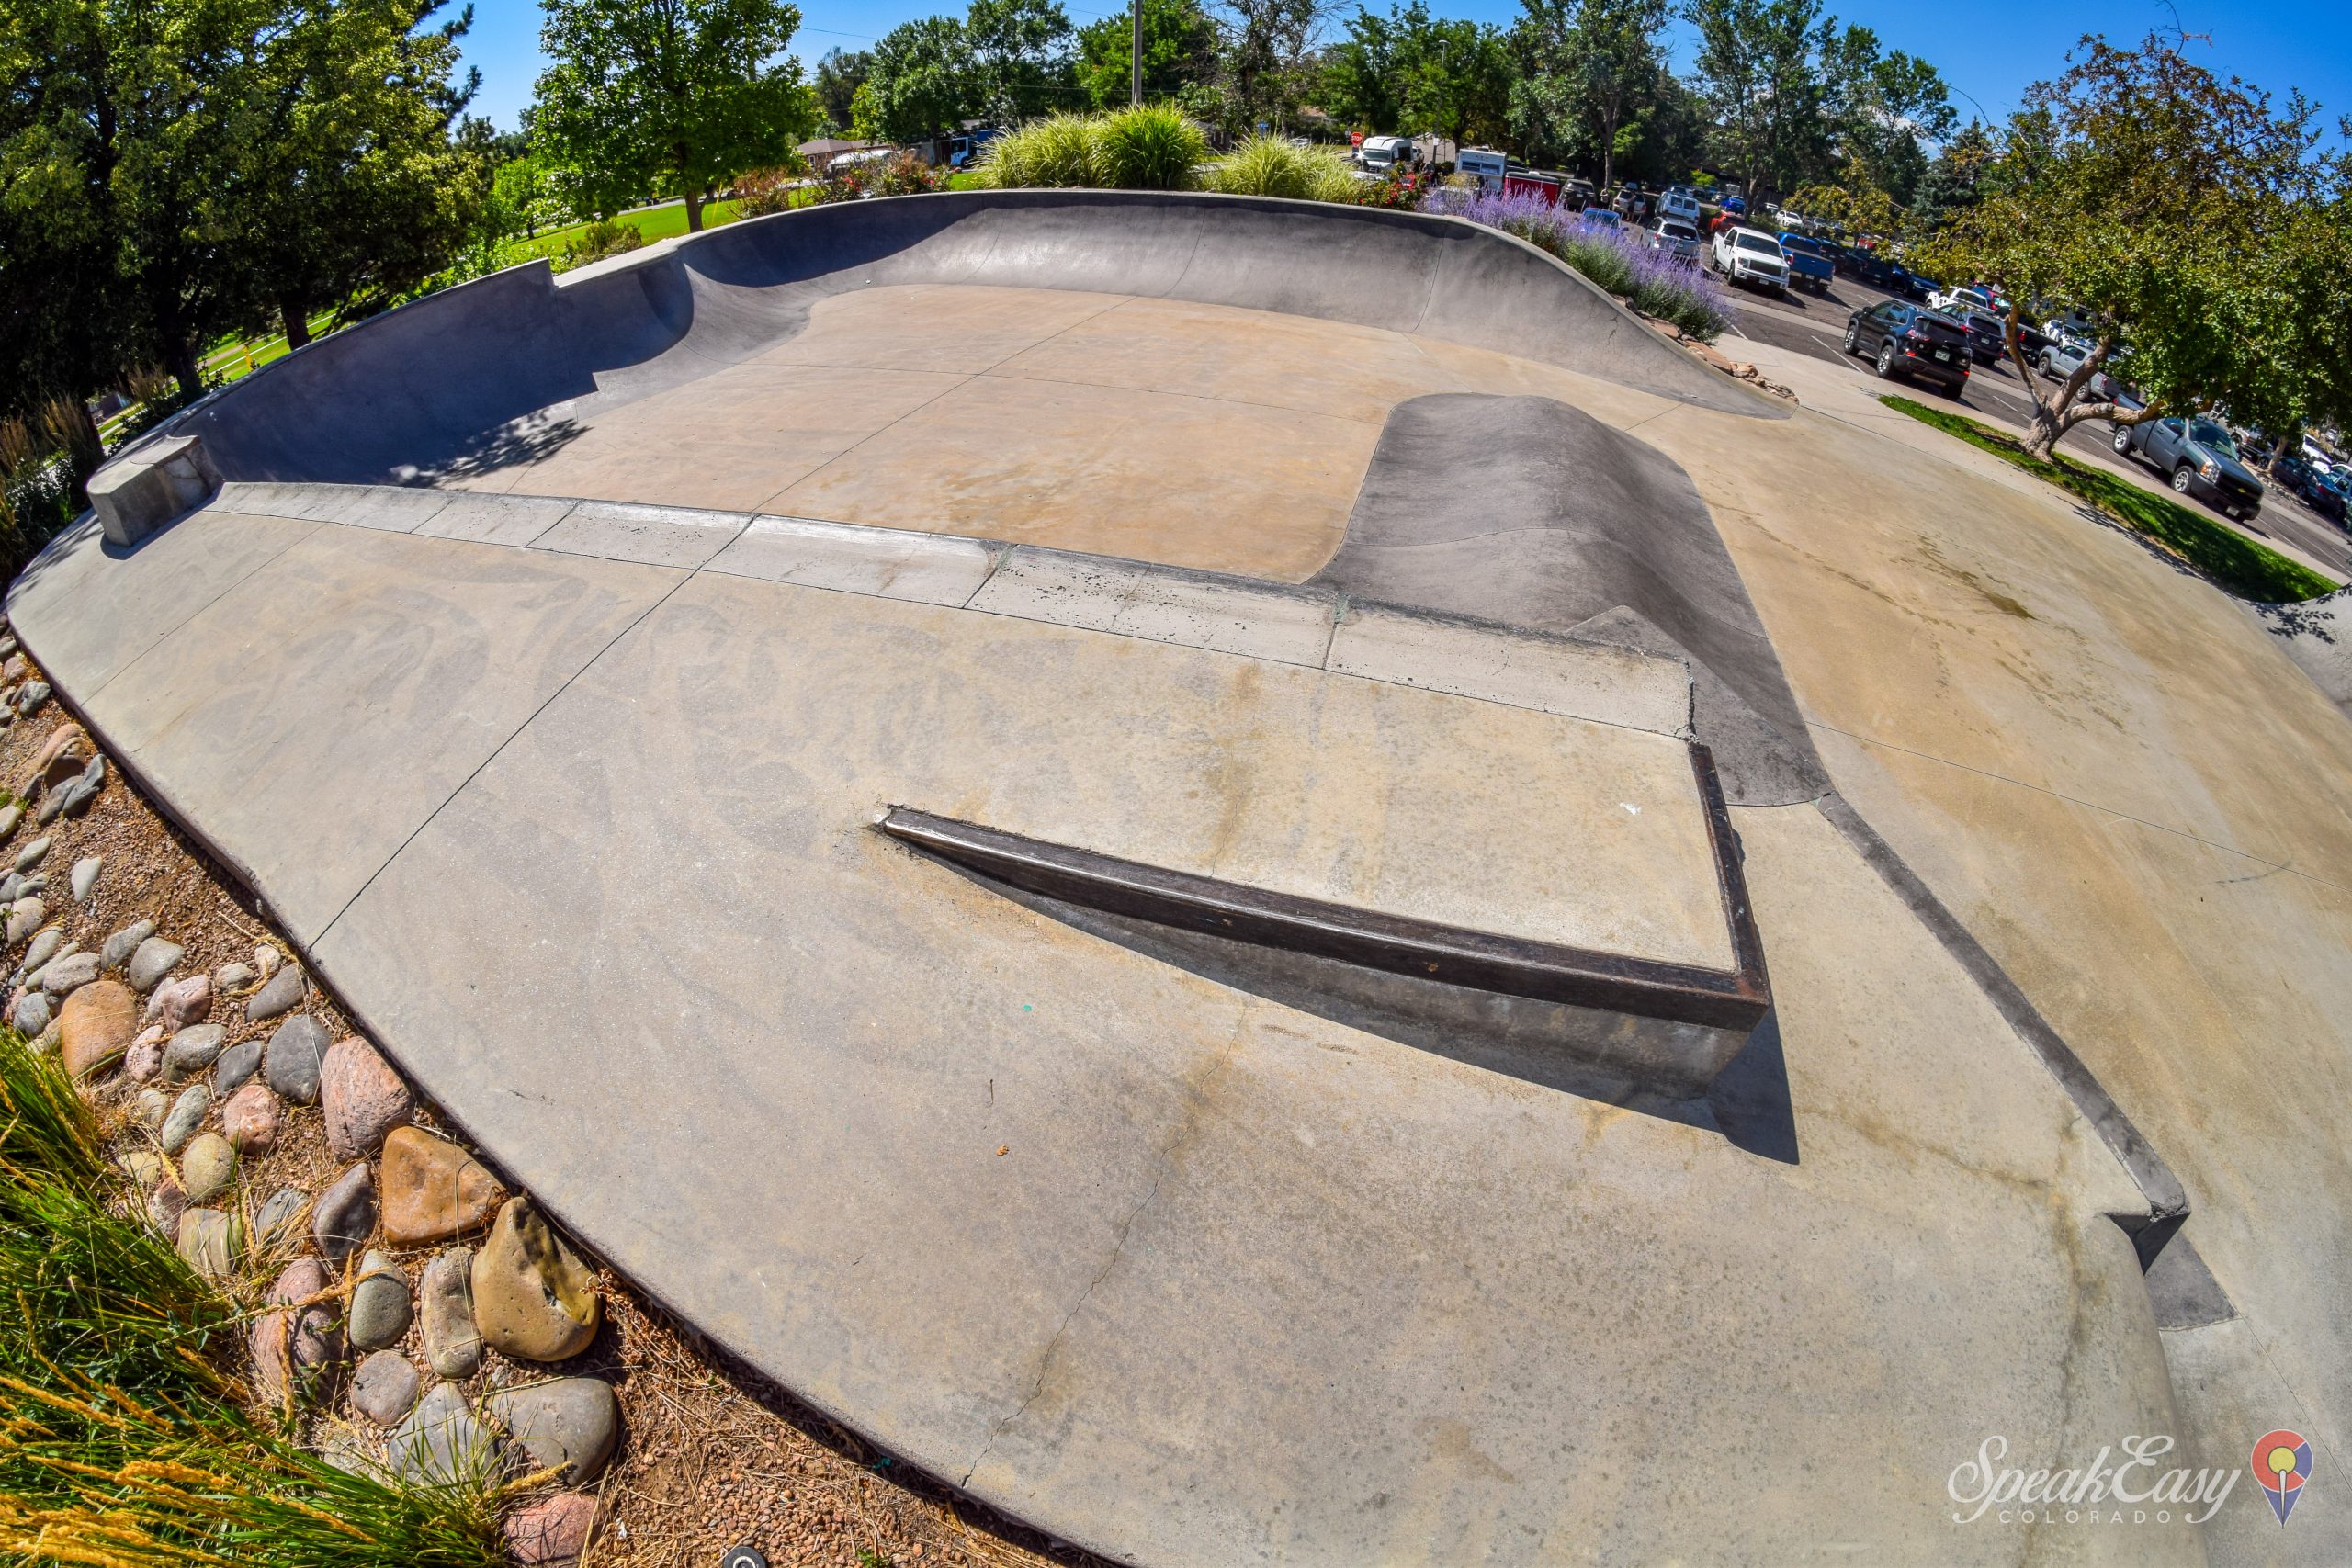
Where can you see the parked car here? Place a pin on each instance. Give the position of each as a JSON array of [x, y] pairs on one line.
[[1809, 263], [1958, 301], [1382, 154], [1902, 339], [1735, 206], [2320, 490], [1600, 217], [1682, 204], [2063, 357], [1675, 236], [1986, 342], [2333, 497], [2200, 455], [1750, 256]]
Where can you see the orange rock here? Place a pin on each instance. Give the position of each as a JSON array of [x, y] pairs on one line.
[[96, 1027], [67, 742], [432, 1188]]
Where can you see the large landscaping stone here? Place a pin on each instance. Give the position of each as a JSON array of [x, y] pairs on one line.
[[32, 1015], [554, 1533], [571, 1422], [151, 963], [238, 1063], [280, 1218], [532, 1297], [363, 1097], [301, 1340], [119, 948], [181, 1002], [291, 1061], [452, 1343], [433, 1190], [96, 1027], [344, 1216], [192, 1050], [69, 974]]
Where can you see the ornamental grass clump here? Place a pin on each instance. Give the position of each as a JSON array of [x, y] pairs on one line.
[[1152, 147], [123, 1440], [1620, 260], [1271, 165], [1057, 152]]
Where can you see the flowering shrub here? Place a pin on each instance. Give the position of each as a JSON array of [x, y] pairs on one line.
[[764, 191], [1620, 260], [1404, 190], [905, 175]]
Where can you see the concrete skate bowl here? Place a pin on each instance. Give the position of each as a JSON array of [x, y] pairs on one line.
[[453, 382]]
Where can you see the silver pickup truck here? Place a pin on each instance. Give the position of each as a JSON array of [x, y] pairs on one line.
[[2201, 458]]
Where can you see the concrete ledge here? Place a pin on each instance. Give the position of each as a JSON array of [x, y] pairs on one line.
[[656, 535], [150, 485], [930, 569]]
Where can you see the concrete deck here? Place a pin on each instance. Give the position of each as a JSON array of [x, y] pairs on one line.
[[1281, 1267]]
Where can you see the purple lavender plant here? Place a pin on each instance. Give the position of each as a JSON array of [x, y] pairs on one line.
[[1618, 258]]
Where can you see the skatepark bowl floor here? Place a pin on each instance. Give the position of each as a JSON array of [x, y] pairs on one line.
[[1263, 884]]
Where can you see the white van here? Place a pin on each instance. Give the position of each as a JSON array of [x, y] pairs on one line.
[[1380, 154], [1680, 203], [1486, 166]]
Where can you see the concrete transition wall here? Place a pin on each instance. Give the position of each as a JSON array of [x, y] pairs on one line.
[[453, 380]]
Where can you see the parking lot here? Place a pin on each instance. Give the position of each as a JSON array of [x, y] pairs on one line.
[[1816, 324]]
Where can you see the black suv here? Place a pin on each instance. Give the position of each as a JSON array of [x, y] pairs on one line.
[[1904, 339]]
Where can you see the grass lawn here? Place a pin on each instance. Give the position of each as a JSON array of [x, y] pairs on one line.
[[965, 179], [653, 222], [2244, 568]]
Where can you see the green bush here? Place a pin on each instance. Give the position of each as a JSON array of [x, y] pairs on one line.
[[1056, 151], [1153, 147], [605, 237], [1270, 165]]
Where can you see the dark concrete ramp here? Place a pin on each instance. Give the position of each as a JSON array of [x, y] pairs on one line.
[[1529, 511]]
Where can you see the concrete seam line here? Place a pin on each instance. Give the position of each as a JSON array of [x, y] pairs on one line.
[[2167, 1200], [684, 576]]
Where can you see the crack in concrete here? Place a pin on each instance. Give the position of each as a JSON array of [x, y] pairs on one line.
[[1201, 1099]]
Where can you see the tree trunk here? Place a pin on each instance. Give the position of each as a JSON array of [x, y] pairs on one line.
[[693, 212], [84, 448], [296, 320], [2042, 433], [180, 359]]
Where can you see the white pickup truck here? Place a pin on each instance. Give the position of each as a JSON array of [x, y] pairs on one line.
[[1750, 255]]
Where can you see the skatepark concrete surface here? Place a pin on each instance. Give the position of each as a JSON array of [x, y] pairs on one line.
[[1366, 562]]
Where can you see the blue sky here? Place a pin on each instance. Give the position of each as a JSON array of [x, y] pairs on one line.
[[1988, 49]]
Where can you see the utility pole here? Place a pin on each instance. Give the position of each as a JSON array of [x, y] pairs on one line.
[[1134, 53]]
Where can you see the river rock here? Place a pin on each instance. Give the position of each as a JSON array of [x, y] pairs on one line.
[[43, 947], [166, 1204], [149, 1109], [304, 1340], [344, 1216], [96, 1025], [442, 1443], [151, 963], [187, 1114], [212, 1242], [118, 949], [532, 1297], [143, 1063], [280, 1217], [363, 1097], [284, 993], [69, 974], [32, 1015], [9, 816], [207, 1168], [25, 916], [30, 855], [380, 1308], [569, 1422], [290, 1062], [267, 960], [192, 1050], [237, 1064], [384, 1388], [83, 880], [433, 1190], [144, 1166], [249, 1120], [553, 1532], [231, 979], [181, 1002], [452, 1343]]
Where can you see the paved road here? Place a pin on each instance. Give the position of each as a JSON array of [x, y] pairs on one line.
[[1815, 325]]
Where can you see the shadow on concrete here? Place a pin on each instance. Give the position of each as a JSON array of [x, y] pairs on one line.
[[1749, 1105]]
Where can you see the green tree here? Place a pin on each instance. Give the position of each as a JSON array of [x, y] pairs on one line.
[[1411, 72], [667, 95], [1758, 71], [839, 75], [2191, 220], [1022, 48], [1361, 85], [1880, 106], [1953, 179], [1591, 71], [353, 191], [923, 82], [1179, 55], [1264, 61]]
